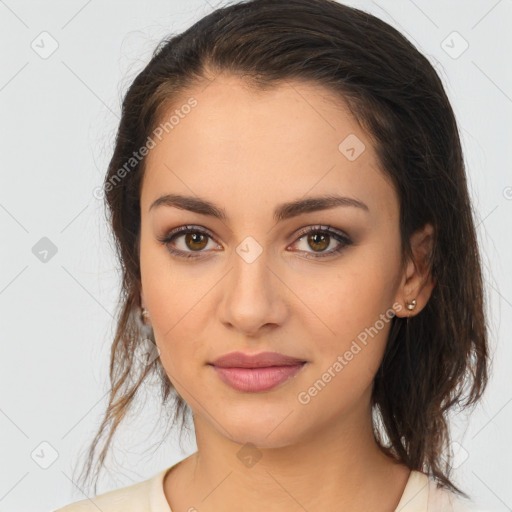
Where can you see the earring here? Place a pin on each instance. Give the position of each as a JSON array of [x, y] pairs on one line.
[[145, 313], [411, 305]]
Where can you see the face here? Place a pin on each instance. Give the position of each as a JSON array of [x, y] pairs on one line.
[[252, 282]]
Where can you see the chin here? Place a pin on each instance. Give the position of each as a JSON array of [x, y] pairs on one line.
[[262, 440], [269, 432]]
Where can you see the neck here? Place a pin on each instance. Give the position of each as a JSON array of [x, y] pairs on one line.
[[339, 464]]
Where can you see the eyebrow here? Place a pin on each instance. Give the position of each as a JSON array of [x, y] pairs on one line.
[[282, 212]]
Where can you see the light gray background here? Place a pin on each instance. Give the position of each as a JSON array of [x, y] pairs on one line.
[[58, 120]]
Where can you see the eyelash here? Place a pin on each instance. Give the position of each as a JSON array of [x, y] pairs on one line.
[[325, 230]]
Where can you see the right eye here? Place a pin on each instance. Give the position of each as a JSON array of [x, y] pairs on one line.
[[194, 240]]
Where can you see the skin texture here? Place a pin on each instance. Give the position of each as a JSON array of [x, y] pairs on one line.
[[248, 152]]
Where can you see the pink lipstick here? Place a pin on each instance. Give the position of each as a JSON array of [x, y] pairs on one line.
[[255, 373]]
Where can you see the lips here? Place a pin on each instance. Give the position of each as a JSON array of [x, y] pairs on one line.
[[262, 360], [256, 373]]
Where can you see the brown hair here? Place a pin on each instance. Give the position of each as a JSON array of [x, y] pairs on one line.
[[436, 360]]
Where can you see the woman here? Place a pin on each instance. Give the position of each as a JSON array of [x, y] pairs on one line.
[[289, 203]]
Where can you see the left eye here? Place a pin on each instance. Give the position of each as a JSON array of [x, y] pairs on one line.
[[195, 240], [319, 238]]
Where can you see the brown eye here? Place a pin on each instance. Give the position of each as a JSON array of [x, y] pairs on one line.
[[187, 241], [196, 241], [192, 242], [319, 241]]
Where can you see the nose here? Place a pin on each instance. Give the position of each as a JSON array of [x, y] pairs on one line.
[[253, 295]]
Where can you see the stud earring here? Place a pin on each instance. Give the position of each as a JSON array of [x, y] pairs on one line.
[[145, 313], [411, 305]]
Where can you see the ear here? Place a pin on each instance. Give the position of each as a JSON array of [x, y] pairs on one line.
[[142, 301], [416, 284]]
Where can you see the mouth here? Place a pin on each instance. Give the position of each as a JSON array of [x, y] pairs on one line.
[[254, 373], [257, 379], [261, 360]]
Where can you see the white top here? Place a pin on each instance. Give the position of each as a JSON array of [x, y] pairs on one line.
[[421, 494]]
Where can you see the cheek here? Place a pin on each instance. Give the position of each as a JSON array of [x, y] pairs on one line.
[[170, 288], [350, 299], [172, 295], [345, 364], [352, 307]]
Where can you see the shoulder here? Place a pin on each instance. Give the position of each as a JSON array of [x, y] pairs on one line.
[[422, 493], [441, 499], [132, 498]]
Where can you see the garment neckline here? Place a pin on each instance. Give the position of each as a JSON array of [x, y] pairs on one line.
[[415, 495]]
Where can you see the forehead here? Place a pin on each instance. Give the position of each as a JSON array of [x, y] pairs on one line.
[[239, 145]]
